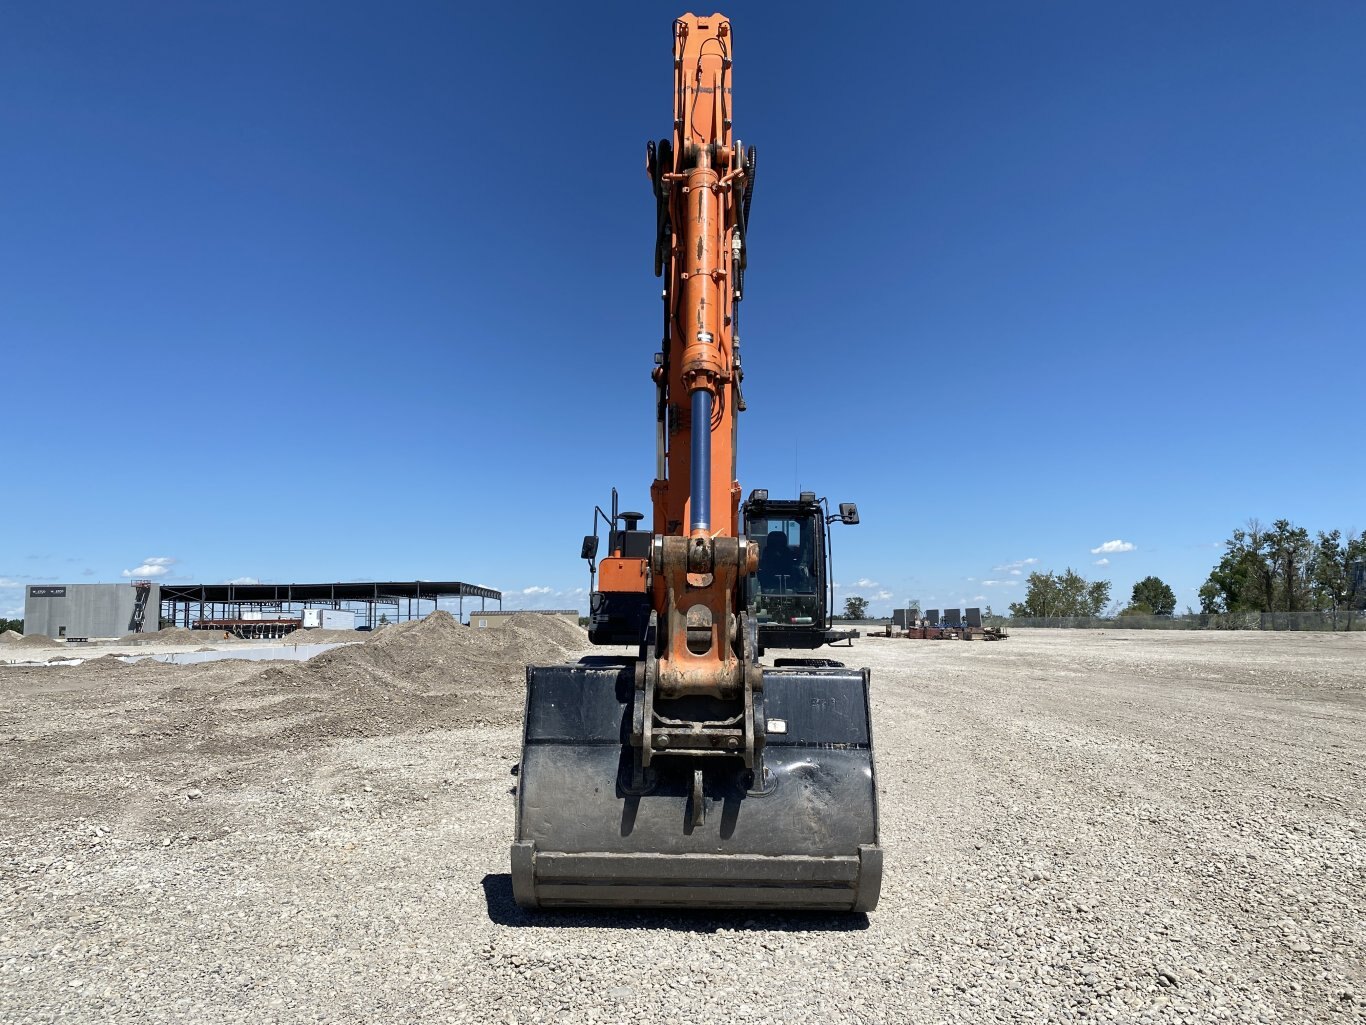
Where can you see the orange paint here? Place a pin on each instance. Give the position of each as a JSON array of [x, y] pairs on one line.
[[703, 178], [706, 181], [617, 574]]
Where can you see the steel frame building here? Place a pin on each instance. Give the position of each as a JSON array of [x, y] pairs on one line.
[[184, 604]]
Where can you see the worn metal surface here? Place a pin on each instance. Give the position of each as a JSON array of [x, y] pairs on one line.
[[817, 800]]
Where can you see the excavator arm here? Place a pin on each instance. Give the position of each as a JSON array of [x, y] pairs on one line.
[[689, 774], [701, 180]]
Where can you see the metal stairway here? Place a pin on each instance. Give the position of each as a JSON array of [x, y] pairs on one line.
[[143, 592]]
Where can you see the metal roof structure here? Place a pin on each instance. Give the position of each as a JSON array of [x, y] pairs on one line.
[[387, 591], [534, 612], [186, 603]]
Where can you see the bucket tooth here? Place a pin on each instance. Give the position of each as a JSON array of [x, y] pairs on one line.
[[802, 837]]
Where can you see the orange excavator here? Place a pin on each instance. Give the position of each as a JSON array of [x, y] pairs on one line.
[[688, 774]]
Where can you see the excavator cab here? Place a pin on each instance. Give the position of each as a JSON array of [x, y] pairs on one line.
[[792, 596]]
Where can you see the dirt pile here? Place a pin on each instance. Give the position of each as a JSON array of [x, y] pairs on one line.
[[437, 654], [11, 637], [424, 675], [557, 628], [109, 663], [173, 635], [318, 635], [32, 640]]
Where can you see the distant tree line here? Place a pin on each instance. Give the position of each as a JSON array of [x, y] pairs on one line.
[[1276, 569], [17, 625], [1282, 569], [1069, 594], [1061, 594]]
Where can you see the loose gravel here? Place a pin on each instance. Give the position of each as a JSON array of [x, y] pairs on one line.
[[1084, 826]]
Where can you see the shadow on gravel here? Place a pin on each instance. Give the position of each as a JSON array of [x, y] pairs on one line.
[[503, 910]]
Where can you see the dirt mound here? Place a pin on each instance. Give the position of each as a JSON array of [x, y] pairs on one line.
[[106, 663], [557, 628], [438, 654], [36, 641], [11, 637], [172, 635], [321, 636], [425, 675]]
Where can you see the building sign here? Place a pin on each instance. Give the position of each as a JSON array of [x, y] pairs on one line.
[[47, 592]]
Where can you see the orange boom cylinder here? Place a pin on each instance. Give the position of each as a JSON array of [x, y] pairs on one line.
[[700, 177]]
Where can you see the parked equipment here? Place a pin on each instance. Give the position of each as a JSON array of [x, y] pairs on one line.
[[969, 626], [688, 774]]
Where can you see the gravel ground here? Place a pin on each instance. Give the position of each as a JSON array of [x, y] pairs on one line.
[[1124, 826]]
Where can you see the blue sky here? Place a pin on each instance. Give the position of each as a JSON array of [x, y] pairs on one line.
[[328, 291]]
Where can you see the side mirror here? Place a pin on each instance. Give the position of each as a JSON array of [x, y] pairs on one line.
[[848, 513], [589, 550]]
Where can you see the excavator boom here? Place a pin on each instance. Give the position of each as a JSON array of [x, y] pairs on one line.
[[688, 774]]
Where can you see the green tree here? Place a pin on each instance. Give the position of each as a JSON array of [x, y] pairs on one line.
[[855, 607], [1333, 577], [1291, 554], [1331, 572], [1244, 580], [1152, 594], [1066, 594], [1282, 569], [17, 625]]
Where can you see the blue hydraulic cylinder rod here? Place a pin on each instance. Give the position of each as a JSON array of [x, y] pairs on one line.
[[700, 493]]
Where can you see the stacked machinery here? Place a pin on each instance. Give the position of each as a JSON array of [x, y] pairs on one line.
[[689, 774]]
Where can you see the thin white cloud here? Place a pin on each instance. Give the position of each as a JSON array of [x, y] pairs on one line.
[[1013, 567], [865, 582], [979, 597], [243, 580], [1111, 547], [1016, 572], [537, 590], [9, 582], [882, 595], [1000, 583], [1102, 562], [157, 566]]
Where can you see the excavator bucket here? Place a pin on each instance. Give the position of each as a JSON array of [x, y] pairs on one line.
[[799, 831]]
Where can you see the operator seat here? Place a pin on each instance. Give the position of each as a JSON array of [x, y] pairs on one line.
[[777, 564]]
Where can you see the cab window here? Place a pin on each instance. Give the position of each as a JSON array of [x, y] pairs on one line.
[[787, 553]]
